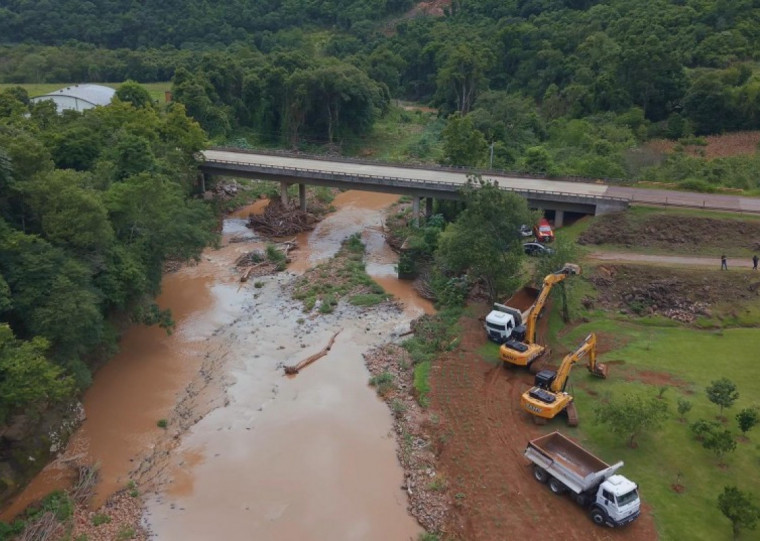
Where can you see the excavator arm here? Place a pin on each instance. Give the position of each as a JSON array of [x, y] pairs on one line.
[[538, 306], [563, 372]]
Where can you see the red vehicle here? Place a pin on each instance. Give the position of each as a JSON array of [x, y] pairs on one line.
[[543, 231]]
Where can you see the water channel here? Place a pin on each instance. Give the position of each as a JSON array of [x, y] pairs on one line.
[[310, 457]]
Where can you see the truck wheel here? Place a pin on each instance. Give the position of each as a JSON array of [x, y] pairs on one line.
[[540, 474], [581, 500], [556, 486], [598, 516]]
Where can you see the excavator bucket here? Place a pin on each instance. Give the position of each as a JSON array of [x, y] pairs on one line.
[[572, 414], [600, 370], [571, 268]]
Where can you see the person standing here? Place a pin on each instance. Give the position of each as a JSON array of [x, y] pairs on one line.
[[754, 261], [723, 262]]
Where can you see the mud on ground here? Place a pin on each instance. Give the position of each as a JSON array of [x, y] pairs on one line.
[[675, 233], [680, 294], [481, 437]]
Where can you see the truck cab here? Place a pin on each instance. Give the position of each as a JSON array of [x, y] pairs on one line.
[[617, 502], [503, 323]]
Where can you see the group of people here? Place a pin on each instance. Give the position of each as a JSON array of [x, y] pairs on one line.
[[724, 262]]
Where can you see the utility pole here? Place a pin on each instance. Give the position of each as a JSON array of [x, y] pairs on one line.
[[490, 163]]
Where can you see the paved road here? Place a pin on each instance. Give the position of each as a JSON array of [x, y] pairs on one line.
[[636, 195], [626, 257]]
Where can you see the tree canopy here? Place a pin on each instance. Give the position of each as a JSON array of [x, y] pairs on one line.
[[91, 207]]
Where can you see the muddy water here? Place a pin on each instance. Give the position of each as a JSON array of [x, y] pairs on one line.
[[138, 386], [309, 457]]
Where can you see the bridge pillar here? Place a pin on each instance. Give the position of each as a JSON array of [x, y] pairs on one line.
[[428, 207], [302, 196], [416, 210], [559, 218], [284, 193]]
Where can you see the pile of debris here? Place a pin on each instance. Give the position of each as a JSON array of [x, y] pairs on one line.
[[662, 297], [280, 220], [264, 262]]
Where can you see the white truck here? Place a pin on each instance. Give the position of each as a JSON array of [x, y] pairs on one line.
[[504, 323], [613, 500]]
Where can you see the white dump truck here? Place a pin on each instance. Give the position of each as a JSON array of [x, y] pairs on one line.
[[504, 323], [613, 500]]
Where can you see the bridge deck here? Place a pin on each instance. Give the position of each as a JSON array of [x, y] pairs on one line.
[[292, 167]]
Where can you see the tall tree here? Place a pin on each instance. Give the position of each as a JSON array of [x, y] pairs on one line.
[[485, 242]]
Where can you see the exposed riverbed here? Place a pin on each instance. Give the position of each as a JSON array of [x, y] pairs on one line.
[[270, 457]]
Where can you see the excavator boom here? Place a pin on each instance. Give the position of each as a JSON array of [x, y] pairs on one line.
[[548, 397], [525, 353]]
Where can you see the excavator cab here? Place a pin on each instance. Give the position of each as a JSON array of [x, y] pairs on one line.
[[544, 378]]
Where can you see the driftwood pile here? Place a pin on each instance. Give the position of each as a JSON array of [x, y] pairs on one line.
[[280, 220], [294, 369], [258, 263]]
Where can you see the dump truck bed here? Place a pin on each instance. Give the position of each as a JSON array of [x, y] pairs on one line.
[[564, 459]]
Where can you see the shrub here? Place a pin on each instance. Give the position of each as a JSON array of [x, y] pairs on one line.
[[100, 518], [383, 383]]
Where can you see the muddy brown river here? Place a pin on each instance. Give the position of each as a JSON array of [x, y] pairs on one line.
[[309, 457]]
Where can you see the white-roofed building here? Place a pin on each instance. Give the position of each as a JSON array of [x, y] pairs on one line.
[[78, 97]]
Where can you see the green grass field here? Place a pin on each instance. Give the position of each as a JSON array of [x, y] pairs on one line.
[[156, 90], [646, 358]]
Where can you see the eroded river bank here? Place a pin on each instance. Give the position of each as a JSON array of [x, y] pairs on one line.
[[248, 453]]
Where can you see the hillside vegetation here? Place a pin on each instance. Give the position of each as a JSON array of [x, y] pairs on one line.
[[552, 87]]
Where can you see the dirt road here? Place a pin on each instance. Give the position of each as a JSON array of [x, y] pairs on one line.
[[482, 440], [626, 257]]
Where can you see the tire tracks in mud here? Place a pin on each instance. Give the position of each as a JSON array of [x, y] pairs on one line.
[[494, 492]]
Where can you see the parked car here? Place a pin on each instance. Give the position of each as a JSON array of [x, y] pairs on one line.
[[543, 231], [525, 231], [536, 248]]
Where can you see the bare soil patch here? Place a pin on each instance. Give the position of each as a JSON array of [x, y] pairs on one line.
[[718, 146], [679, 294], [482, 434], [674, 233]]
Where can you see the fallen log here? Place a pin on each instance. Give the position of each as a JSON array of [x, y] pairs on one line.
[[294, 369]]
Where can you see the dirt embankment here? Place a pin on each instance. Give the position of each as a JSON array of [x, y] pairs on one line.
[[717, 146], [674, 233], [679, 294]]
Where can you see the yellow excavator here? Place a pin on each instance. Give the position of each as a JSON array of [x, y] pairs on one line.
[[522, 349], [548, 397]]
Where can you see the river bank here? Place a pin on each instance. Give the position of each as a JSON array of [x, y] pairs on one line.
[[246, 451]]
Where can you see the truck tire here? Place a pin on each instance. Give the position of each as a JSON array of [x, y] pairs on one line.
[[556, 486], [540, 474], [598, 516]]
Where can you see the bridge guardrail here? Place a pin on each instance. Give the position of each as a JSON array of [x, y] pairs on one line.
[[412, 183], [430, 167]]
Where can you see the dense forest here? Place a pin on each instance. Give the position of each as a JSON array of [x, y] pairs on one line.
[[92, 206], [568, 87]]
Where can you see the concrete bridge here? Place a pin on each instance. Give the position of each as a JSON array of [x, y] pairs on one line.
[[428, 183]]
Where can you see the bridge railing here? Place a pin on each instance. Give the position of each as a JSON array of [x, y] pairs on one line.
[[399, 181], [448, 168]]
